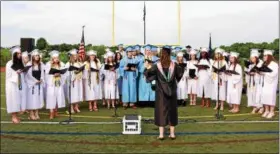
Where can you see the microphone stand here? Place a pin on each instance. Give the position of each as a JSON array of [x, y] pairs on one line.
[[69, 120], [218, 115], [116, 105]]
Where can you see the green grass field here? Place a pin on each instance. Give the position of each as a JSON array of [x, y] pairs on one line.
[[90, 143]]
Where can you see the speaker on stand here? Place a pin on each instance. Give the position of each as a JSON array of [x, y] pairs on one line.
[[27, 44]]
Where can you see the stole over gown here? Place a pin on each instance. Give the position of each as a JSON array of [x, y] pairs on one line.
[[166, 112]]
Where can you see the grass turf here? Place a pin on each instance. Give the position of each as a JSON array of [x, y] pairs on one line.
[[245, 143]]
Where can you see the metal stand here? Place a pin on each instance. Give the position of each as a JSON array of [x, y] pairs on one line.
[[218, 115], [69, 120]]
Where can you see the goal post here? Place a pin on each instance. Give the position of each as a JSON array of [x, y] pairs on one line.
[[178, 18]]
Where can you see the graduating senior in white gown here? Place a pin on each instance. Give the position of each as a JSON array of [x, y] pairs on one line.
[[204, 78], [75, 79], [110, 81], [234, 83], [182, 86], [55, 95], [15, 85], [192, 77], [35, 83], [92, 84], [254, 82], [269, 85], [219, 63]]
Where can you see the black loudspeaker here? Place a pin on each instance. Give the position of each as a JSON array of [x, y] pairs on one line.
[[27, 44]]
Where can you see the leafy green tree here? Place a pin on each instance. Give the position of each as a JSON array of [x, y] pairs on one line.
[[41, 44]]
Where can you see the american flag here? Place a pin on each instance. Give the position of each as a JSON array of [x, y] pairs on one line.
[[82, 46]]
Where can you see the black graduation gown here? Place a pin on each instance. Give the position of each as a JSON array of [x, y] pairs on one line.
[[166, 112]]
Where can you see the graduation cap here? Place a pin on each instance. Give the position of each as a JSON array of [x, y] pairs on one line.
[[234, 54], [120, 45], [73, 52], [136, 47], [24, 54], [128, 49], [180, 54], [147, 47], [15, 49], [219, 50], [35, 52], [91, 52], [177, 49], [110, 54], [268, 52], [193, 52], [204, 50], [167, 48], [108, 50], [60, 71], [54, 53], [154, 49], [254, 53]]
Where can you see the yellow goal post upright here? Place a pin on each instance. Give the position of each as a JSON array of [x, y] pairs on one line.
[[179, 25]]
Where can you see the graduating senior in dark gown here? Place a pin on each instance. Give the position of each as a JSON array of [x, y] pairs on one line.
[[165, 72]]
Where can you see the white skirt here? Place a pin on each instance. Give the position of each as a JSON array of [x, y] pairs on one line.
[[77, 91], [35, 98], [92, 92], [192, 86], [111, 90]]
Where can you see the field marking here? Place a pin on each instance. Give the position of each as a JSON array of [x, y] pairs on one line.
[[109, 117], [155, 143], [143, 133], [108, 123]]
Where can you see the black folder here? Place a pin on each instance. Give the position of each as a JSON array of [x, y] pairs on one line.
[[216, 70], [192, 73], [54, 71], [23, 69], [107, 66], [231, 72], [264, 68], [79, 69], [94, 70], [202, 66], [130, 65], [247, 63], [183, 65]]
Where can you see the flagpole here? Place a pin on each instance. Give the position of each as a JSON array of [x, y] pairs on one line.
[[113, 23], [144, 18], [179, 23]]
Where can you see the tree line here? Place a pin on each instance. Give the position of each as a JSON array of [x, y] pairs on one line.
[[242, 48]]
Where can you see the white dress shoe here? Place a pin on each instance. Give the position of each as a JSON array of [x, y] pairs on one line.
[[270, 115], [265, 114]]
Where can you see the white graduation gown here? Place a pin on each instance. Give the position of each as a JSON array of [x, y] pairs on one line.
[[192, 83], [35, 95], [234, 94], [92, 82], [15, 98], [110, 84], [222, 76], [182, 86], [55, 92], [204, 79], [254, 87], [76, 84], [270, 82]]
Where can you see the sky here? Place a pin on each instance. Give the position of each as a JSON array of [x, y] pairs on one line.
[[61, 22]]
